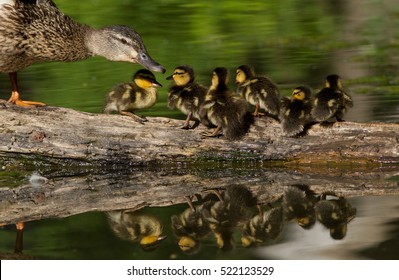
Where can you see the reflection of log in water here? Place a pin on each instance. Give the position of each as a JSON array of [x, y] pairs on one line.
[[66, 196]]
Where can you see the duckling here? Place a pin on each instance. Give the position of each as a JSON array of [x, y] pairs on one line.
[[263, 227], [227, 214], [190, 226], [37, 31], [332, 101], [295, 113], [140, 94], [225, 110], [258, 91], [186, 95], [136, 226], [335, 214], [299, 204]]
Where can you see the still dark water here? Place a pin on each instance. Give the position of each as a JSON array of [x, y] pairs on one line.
[[293, 42]]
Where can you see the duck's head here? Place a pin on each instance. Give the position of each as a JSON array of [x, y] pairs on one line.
[[151, 242], [243, 73], [182, 75], [301, 93], [121, 43], [189, 245], [145, 79], [224, 240], [247, 241], [334, 81], [220, 78]]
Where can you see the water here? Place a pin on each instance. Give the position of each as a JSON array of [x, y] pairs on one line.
[[293, 42]]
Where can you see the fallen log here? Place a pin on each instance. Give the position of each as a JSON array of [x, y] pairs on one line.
[[65, 134]]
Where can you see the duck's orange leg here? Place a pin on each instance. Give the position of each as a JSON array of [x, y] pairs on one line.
[[15, 99], [19, 240]]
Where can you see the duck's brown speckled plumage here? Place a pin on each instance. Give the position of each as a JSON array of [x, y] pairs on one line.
[[36, 31], [32, 33]]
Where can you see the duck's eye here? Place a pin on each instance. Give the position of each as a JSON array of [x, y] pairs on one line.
[[123, 41]]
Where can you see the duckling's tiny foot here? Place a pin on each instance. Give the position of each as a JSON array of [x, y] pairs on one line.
[[138, 119], [327, 124], [186, 127], [258, 114], [207, 134], [143, 118]]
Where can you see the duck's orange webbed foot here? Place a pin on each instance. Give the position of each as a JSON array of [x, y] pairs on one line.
[[15, 99]]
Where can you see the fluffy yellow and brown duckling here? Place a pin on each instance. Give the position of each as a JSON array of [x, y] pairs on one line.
[[335, 214], [191, 227], [224, 109], [127, 97], [265, 226], [298, 203], [295, 112], [137, 227], [227, 214], [37, 31], [186, 95], [258, 91], [332, 101]]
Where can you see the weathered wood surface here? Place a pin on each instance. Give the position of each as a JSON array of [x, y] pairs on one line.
[[157, 164], [67, 134]]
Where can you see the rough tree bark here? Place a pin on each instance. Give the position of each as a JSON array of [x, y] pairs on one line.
[[67, 134]]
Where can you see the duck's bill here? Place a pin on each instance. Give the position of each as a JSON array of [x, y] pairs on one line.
[[145, 60], [156, 84]]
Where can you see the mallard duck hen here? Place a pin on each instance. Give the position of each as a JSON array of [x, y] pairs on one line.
[[37, 31]]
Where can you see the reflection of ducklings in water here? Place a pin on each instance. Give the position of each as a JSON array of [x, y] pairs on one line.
[[295, 112], [137, 226], [231, 211], [263, 227], [299, 204], [332, 101], [141, 94], [225, 110], [335, 215], [186, 95], [190, 227], [258, 91]]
